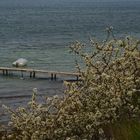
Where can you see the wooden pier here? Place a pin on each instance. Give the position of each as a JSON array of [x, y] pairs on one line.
[[33, 72]]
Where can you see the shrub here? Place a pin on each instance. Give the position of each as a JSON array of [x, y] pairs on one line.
[[107, 94]]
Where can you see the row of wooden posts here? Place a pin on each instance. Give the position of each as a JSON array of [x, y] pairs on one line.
[[32, 74]]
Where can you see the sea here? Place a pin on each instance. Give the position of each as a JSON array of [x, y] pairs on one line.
[[43, 33]]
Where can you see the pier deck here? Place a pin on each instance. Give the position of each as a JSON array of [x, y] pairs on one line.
[[34, 72]]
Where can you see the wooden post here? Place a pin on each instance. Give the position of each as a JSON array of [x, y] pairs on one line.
[[34, 74], [51, 76], [22, 74], [77, 78], [55, 76], [3, 71], [6, 72], [30, 74]]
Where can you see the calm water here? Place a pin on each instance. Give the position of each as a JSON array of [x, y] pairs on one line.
[[42, 35]]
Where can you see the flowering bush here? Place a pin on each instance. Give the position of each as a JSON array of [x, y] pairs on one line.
[[108, 92]]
